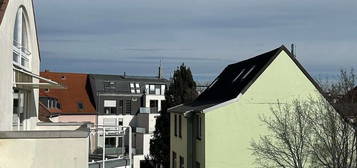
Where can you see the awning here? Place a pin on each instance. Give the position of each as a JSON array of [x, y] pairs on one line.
[[42, 84]]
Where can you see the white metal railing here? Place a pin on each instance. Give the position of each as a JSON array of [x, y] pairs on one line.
[[112, 131]]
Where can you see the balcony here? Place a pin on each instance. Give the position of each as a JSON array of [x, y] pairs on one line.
[[148, 110], [55, 139]]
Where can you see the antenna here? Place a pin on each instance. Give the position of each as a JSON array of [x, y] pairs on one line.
[[160, 75]]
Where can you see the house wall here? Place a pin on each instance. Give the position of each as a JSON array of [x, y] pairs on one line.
[[178, 144], [199, 155], [147, 121], [149, 97], [6, 70], [77, 118], [64, 152], [230, 129]]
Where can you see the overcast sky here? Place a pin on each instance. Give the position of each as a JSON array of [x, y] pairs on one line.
[[116, 36]]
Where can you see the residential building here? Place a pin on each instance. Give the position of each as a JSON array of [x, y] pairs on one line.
[[74, 103], [111, 102], [26, 142], [133, 101], [217, 128]]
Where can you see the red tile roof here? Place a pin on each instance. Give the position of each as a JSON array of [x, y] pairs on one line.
[[3, 5], [44, 113], [77, 91]]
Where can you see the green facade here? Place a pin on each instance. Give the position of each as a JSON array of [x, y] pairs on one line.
[[230, 127]]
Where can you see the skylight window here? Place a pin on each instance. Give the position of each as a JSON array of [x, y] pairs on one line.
[[250, 70], [240, 74], [214, 82], [80, 105]]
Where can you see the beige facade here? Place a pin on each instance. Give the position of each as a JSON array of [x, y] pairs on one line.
[[228, 128]]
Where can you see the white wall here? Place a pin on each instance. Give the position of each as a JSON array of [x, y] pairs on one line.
[[147, 99], [127, 119], [6, 70], [44, 153]]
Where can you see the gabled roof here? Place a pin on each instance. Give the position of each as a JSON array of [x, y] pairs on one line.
[[236, 79], [3, 5], [77, 91]]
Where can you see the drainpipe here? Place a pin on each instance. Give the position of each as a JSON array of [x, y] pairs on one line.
[[104, 147], [130, 148]]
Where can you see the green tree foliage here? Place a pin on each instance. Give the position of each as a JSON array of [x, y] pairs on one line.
[[182, 89]]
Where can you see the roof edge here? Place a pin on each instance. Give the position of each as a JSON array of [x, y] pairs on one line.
[[3, 6]]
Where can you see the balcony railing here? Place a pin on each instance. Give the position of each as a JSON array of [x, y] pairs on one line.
[[148, 110]]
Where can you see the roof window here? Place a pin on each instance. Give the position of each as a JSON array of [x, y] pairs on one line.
[[80, 105], [214, 82], [240, 74], [250, 70]]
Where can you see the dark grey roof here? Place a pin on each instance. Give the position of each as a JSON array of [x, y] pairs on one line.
[[121, 83], [235, 79]]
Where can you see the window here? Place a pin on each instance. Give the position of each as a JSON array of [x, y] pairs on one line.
[[110, 110], [182, 162], [110, 142], [180, 125], [131, 85], [109, 85], [175, 126], [162, 89], [157, 91], [120, 142], [110, 106], [21, 49], [214, 82], [20, 108], [137, 85], [154, 103], [132, 90], [128, 106], [152, 88], [80, 106], [240, 74], [120, 121], [147, 89], [120, 108], [197, 164], [174, 160], [250, 70], [199, 127]]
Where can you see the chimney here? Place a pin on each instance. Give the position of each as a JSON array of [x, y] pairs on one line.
[[124, 74], [293, 49]]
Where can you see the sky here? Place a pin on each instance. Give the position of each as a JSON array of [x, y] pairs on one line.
[[132, 36]]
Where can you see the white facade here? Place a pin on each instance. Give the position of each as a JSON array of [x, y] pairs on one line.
[[143, 125], [18, 24], [45, 146]]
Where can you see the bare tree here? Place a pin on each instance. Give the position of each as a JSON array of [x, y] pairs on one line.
[[286, 146], [313, 133]]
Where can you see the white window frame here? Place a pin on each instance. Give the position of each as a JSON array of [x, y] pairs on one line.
[[21, 46]]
